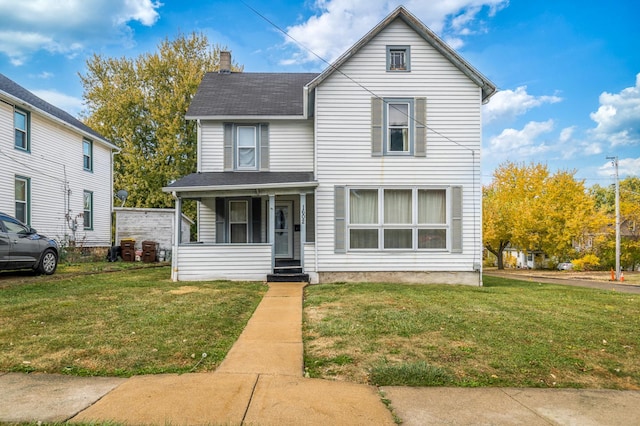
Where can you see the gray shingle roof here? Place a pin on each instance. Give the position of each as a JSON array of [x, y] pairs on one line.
[[222, 179], [249, 94], [13, 89]]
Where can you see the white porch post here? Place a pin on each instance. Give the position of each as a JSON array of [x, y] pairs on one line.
[[177, 237], [272, 229], [303, 227]]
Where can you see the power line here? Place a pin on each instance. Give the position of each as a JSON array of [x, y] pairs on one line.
[[362, 86]]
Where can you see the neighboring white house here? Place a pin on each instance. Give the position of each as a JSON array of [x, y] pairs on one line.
[[56, 172], [367, 171]]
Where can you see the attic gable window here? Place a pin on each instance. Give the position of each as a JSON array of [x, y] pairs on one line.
[[398, 58]]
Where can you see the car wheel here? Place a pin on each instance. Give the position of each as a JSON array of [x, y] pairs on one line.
[[48, 263]]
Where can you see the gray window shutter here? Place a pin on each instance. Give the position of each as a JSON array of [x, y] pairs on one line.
[[420, 149], [264, 147], [228, 146], [376, 126], [456, 219], [221, 229], [339, 217]]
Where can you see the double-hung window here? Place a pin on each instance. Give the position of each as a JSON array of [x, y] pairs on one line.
[[21, 125], [22, 199], [413, 218], [238, 221], [246, 146], [87, 212], [398, 127], [398, 134], [87, 154]]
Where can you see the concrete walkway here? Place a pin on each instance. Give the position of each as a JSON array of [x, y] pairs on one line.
[[260, 383]]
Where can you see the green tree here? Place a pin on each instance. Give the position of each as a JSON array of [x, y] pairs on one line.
[[529, 208], [139, 104]]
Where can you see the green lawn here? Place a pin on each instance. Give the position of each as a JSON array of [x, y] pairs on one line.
[[120, 323], [507, 333]]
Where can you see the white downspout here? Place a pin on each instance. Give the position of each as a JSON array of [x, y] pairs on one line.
[[176, 238]]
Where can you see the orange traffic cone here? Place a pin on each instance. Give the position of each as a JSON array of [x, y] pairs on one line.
[[613, 275], [622, 276]]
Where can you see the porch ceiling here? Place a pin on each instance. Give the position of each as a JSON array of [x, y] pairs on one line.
[[221, 183]]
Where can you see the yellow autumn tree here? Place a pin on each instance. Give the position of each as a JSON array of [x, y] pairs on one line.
[[528, 208]]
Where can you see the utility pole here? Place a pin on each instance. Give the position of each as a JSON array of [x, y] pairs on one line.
[[614, 162]]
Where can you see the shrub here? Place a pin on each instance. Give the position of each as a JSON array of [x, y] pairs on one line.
[[588, 262]]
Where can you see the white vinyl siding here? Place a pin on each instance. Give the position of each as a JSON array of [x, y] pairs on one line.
[[344, 149], [197, 262], [56, 156]]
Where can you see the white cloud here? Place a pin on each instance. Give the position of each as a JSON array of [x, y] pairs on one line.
[[512, 103], [626, 167], [618, 117], [70, 104], [567, 133], [66, 27], [521, 143], [340, 23]]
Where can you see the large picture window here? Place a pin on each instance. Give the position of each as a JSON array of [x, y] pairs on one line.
[[397, 219]]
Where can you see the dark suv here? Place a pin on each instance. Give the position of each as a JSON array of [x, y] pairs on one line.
[[21, 247]]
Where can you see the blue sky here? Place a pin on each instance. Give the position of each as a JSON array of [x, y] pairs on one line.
[[568, 72]]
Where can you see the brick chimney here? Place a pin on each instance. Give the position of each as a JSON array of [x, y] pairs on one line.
[[225, 63]]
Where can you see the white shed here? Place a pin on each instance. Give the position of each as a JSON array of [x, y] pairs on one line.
[[142, 224]]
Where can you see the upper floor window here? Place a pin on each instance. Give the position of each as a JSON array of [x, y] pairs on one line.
[[246, 146], [87, 210], [22, 199], [398, 58], [21, 125], [87, 154], [398, 133], [398, 126]]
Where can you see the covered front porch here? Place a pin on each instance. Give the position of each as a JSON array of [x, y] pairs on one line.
[[253, 226]]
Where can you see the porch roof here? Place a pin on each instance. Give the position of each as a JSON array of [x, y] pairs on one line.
[[257, 182]]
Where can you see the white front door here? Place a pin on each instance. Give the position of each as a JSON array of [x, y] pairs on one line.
[[283, 228]]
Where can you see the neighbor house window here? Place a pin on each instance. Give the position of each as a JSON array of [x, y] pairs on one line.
[[397, 219], [87, 154], [88, 210], [238, 221], [398, 58], [21, 124], [22, 199]]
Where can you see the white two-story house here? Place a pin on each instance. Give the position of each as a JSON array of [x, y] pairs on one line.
[[368, 171], [56, 173]]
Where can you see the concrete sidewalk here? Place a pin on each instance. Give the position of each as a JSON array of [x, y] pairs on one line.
[[260, 383]]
